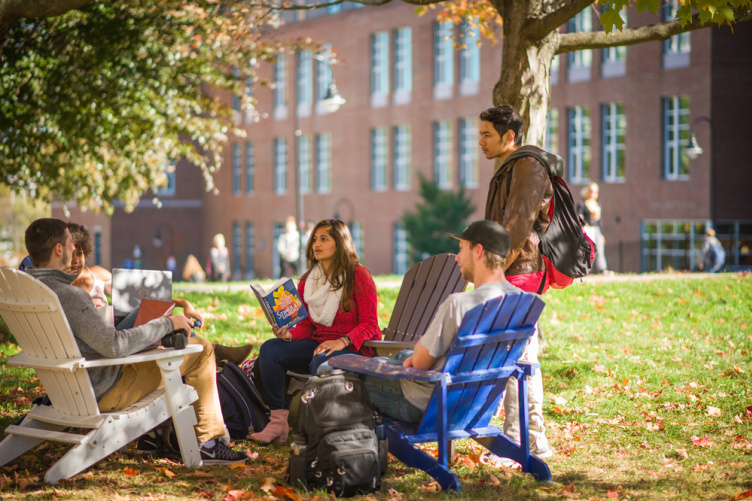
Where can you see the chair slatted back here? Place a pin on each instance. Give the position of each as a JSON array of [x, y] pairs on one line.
[[490, 339], [425, 286], [34, 315]]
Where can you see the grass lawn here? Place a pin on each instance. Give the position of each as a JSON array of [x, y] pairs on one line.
[[647, 396]]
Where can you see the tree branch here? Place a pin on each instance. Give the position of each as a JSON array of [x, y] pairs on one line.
[[283, 5], [16, 9], [661, 31], [539, 28]]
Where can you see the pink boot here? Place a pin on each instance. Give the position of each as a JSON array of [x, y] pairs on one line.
[[276, 431]]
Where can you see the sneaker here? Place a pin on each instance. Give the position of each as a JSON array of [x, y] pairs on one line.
[[544, 452], [220, 454], [149, 443]]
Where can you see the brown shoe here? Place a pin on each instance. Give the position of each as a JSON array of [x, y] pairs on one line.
[[236, 354], [276, 431]]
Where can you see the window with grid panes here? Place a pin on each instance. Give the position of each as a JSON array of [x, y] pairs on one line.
[[579, 155], [280, 165], [402, 157], [613, 137], [323, 163], [442, 153], [675, 137], [379, 158], [468, 153]]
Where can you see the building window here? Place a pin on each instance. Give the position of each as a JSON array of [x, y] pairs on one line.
[[379, 158], [356, 230], [552, 131], [579, 144], [614, 123], [403, 64], [671, 244], [469, 59], [304, 83], [237, 244], [675, 137], [280, 88], [334, 9], [443, 57], [399, 263], [249, 167], [236, 98], [468, 153], [402, 157], [580, 60], [249, 238], [676, 49], [442, 154], [280, 165], [249, 95], [304, 163], [324, 163], [235, 168], [279, 228], [323, 80], [169, 189], [379, 69], [555, 63], [98, 246], [614, 59]]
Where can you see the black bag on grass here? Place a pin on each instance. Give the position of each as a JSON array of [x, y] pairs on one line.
[[339, 442], [242, 406]]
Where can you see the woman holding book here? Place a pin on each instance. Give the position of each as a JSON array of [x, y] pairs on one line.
[[97, 281], [340, 297]]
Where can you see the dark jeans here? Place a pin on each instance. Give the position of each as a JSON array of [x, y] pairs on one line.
[[277, 356], [386, 394]]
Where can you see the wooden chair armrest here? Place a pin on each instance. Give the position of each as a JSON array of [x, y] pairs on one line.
[[389, 348], [372, 367], [147, 356]]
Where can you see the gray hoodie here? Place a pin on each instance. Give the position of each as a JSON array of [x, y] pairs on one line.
[[96, 338]]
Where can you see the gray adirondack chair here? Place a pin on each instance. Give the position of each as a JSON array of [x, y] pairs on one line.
[[34, 315], [425, 286]]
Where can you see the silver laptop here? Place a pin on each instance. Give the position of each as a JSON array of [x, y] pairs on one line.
[[129, 287]]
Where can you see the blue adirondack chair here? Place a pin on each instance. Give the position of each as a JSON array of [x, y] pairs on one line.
[[468, 389]]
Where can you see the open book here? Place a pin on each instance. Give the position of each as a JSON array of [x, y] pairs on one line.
[[281, 303]]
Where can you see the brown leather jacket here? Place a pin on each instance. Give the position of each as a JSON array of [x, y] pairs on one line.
[[530, 194]]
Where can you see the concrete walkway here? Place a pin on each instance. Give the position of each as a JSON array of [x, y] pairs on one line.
[[627, 277]]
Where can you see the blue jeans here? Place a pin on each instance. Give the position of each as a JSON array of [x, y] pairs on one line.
[[386, 394], [277, 356]]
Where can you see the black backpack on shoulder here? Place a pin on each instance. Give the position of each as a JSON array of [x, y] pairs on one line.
[[339, 442], [243, 407]]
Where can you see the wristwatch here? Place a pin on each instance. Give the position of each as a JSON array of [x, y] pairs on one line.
[[348, 341]]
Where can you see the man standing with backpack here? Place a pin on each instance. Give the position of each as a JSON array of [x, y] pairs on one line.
[[519, 196]]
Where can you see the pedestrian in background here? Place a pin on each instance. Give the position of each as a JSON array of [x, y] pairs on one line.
[[589, 209]]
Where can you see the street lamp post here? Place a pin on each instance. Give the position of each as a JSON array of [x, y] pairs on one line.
[[332, 101], [693, 150]]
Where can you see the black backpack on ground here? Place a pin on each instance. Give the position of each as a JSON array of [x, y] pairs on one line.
[[339, 443], [567, 251], [243, 407]]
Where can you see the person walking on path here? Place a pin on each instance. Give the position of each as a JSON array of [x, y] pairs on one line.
[[519, 195]]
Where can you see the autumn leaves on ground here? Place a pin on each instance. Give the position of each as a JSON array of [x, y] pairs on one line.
[[647, 396]]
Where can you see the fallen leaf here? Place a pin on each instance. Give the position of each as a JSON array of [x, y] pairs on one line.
[[237, 494], [744, 495], [167, 473], [130, 472], [560, 400], [702, 442], [682, 453], [393, 495], [741, 463], [238, 466], [268, 486], [612, 494], [713, 411], [494, 480], [286, 493], [207, 493], [199, 474], [599, 368], [430, 487]]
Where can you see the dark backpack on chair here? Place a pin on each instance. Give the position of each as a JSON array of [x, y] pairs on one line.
[[566, 250], [339, 443], [243, 407]]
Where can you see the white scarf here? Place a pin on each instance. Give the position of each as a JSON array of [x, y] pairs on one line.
[[323, 302]]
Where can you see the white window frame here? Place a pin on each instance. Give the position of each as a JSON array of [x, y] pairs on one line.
[[379, 69], [468, 135], [402, 157], [323, 80], [403, 65], [677, 49], [578, 147], [442, 154], [250, 237], [280, 165], [304, 82], [675, 138], [324, 163], [614, 134], [250, 167], [379, 158], [443, 56], [469, 60], [400, 256], [236, 170], [280, 88], [304, 163], [552, 131], [580, 61]]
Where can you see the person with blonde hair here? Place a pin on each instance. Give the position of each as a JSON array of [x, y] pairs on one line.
[[219, 260], [340, 296], [589, 210]]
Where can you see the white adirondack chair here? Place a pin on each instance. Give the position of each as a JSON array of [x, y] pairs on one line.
[[34, 315]]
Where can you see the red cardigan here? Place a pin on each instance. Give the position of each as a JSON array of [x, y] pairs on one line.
[[360, 323]]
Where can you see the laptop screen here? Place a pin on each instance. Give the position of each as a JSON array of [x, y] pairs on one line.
[[130, 286]]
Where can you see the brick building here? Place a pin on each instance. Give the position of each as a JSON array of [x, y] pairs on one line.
[[621, 117]]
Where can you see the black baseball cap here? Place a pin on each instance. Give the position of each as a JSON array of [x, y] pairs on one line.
[[490, 234]]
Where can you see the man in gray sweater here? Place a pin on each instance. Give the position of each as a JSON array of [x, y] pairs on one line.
[[51, 247]]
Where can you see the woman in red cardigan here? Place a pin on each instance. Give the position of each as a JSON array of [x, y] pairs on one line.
[[340, 297]]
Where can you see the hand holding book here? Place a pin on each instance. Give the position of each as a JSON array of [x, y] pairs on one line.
[[281, 304]]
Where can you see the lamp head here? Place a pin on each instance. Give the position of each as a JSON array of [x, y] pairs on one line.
[[333, 99], [693, 149]]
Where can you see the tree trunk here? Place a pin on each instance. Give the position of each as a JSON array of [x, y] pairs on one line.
[[525, 79]]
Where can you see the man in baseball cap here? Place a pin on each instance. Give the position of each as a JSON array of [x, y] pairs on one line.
[[483, 247]]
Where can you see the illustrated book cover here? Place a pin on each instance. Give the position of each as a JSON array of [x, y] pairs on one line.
[[281, 303]]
